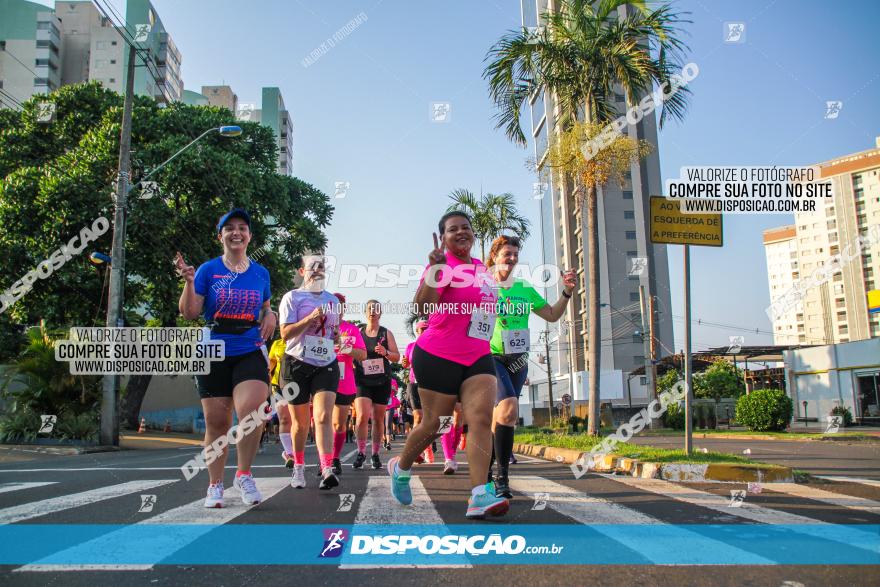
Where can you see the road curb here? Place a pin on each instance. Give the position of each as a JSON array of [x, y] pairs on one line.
[[59, 450], [828, 438], [689, 472]]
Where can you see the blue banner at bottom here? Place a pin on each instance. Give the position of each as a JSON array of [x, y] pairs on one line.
[[438, 545]]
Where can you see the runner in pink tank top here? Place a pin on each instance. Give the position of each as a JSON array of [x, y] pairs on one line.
[[452, 360]]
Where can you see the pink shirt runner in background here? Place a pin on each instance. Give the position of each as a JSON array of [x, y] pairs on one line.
[[394, 401], [348, 334], [408, 354], [447, 333]]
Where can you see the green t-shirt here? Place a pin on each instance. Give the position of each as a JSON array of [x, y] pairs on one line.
[[515, 304]]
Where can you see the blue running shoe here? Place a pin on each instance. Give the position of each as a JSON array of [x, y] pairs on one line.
[[487, 503], [399, 482]]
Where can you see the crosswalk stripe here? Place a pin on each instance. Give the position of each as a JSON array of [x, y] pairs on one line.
[[801, 524], [606, 517], [838, 499], [379, 507], [871, 482], [35, 509], [580, 506], [7, 487], [119, 542], [719, 503]]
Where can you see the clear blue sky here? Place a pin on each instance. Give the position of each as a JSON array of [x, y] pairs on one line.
[[361, 114]]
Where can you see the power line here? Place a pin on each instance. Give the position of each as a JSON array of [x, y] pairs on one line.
[[21, 62]]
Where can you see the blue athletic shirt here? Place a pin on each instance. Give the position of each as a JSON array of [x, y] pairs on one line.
[[233, 295]]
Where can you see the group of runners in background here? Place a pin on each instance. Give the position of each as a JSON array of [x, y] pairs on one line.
[[467, 365]]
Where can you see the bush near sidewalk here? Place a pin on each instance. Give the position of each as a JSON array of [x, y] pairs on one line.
[[764, 409]]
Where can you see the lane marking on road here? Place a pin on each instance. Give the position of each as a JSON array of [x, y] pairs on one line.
[[379, 507], [66, 470], [605, 517], [847, 501], [7, 487], [348, 456], [752, 511], [36, 509], [118, 544], [871, 482], [58, 568]]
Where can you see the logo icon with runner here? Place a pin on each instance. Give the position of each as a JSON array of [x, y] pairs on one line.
[[737, 497], [736, 344], [832, 109], [540, 501], [834, 424], [445, 424], [334, 542], [47, 423], [734, 32], [147, 503], [346, 500]]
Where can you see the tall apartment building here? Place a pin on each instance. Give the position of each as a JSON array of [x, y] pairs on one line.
[[75, 43], [837, 310], [270, 112], [623, 236], [221, 96], [783, 271], [30, 51], [275, 115]]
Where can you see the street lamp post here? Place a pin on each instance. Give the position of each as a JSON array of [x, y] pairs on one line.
[[109, 415]]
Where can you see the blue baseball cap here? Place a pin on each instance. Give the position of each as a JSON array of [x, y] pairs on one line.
[[234, 213]]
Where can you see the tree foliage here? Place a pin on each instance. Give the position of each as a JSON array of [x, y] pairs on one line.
[[59, 177], [720, 380], [491, 215]]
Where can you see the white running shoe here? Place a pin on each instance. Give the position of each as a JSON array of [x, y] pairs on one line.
[[250, 495], [328, 479], [214, 499], [298, 478], [449, 467]]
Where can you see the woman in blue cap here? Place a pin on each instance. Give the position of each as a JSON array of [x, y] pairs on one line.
[[232, 293]]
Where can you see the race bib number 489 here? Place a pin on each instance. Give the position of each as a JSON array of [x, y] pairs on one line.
[[319, 348]]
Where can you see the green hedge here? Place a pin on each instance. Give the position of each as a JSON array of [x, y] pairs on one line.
[[764, 409]]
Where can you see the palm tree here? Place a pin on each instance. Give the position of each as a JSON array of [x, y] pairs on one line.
[[580, 57], [490, 215]]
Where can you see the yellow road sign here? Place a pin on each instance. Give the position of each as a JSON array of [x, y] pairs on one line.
[[671, 226]]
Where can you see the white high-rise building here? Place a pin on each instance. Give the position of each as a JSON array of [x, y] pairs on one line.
[[835, 310], [780, 246]]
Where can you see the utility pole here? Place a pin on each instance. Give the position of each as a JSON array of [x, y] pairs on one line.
[[688, 375], [646, 305], [109, 416], [546, 335]]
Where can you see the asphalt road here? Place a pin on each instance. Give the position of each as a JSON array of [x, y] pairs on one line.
[[819, 457], [106, 488]]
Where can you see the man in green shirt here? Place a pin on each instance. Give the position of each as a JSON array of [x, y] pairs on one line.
[[510, 345]]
